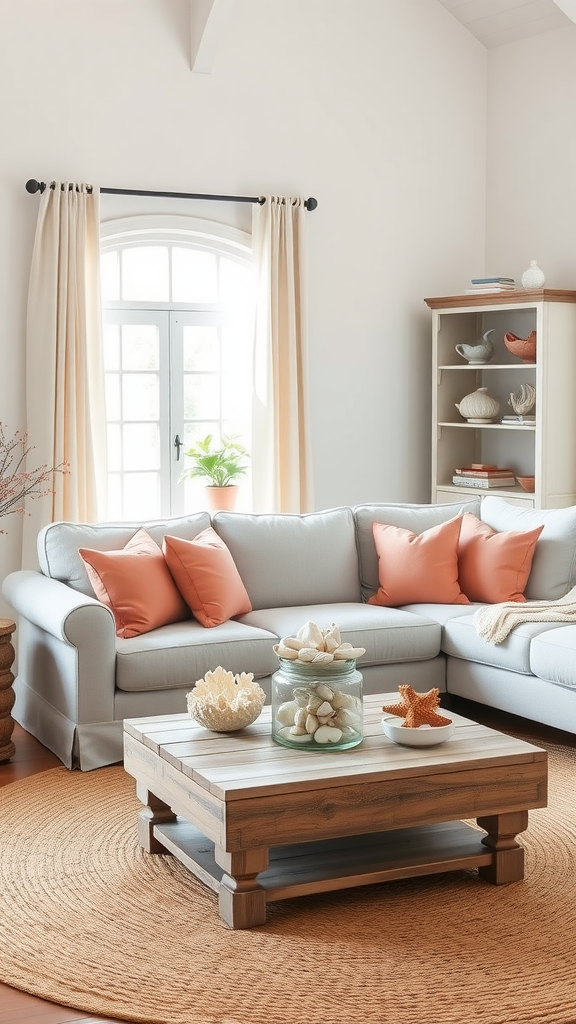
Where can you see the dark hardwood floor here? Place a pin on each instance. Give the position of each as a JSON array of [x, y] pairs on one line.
[[31, 757]]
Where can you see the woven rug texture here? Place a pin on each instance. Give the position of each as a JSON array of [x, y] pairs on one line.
[[90, 920]]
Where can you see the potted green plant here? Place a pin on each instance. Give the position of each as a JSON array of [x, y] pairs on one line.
[[221, 462]]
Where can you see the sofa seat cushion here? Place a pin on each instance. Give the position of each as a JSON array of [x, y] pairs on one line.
[[387, 634], [553, 658], [178, 655], [460, 640]]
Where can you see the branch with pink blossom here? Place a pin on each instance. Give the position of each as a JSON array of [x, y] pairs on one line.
[[17, 483]]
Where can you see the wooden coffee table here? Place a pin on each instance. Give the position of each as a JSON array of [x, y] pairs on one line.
[[258, 822]]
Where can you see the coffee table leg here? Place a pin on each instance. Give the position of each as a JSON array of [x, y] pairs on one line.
[[242, 900], [508, 855], [155, 812]]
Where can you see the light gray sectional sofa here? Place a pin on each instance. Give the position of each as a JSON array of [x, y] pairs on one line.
[[76, 680]]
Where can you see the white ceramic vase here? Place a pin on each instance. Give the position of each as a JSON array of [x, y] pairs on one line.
[[479, 407], [533, 277]]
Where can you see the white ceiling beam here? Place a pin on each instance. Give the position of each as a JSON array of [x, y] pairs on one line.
[[568, 7], [207, 21]]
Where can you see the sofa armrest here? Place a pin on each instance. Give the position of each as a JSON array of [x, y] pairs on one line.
[[66, 645]]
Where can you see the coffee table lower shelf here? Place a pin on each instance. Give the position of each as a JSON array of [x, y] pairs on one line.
[[330, 864]]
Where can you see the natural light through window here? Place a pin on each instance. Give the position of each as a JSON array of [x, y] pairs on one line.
[[178, 335]]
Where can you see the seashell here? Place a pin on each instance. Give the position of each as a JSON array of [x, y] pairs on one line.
[[311, 635], [297, 730], [300, 718], [346, 652], [524, 400], [344, 718], [322, 658], [289, 735], [285, 652], [313, 703], [342, 700], [478, 407], [312, 724], [293, 643], [286, 713], [325, 709], [307, 654], [326, 734], [324, 691], [332, 638]]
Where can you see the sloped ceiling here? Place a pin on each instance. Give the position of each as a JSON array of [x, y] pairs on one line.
[[495, 22]]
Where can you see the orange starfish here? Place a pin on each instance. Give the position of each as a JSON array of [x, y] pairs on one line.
[[417, 708]]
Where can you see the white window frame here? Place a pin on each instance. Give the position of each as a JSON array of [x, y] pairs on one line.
[[165, 230]]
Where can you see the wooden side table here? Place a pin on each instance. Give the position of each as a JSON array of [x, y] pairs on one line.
[[7, 695]]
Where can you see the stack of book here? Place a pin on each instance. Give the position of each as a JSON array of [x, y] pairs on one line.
[[519, 419], [483, 476], [490, 284]]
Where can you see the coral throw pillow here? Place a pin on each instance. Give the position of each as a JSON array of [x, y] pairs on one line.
[[206, 576], [135, 583], [494, 567], [418, 568]]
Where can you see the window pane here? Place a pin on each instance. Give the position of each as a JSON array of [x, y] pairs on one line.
[[201, 396], [145, 273], [140, 347], [193, 276], [111, 346], [140, 396], [110, 276], [114, 448], [114, 504], [201, 348], [236, 283], [141, 446], [112, 391], [141, 496]]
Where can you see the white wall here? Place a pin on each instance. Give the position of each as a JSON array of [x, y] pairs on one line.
[[531, 184], [375, 107]]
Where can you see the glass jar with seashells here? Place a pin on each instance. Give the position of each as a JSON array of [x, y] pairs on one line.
[[317, 691]]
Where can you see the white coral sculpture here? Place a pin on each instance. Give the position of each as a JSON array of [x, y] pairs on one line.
[[223, 702], [316, 646]]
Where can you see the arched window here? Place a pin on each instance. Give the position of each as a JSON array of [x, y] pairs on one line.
[[178, 325]]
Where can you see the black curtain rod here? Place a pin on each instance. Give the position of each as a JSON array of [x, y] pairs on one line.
[[33, 186]]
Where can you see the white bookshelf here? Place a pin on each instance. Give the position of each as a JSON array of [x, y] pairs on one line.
[[545, 449]]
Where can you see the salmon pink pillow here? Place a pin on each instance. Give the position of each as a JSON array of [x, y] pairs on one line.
[[418, 568], [206, 576], [494, 567], [135, 583]]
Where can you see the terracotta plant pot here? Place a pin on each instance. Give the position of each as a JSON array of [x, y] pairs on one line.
[[525, 348], [222, 498]]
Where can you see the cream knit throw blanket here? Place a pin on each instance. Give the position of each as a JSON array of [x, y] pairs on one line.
[[494, 622]]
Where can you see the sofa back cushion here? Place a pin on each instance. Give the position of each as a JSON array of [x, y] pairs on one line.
[[553, 571], [58, 543], [416, 518], [287, 560]]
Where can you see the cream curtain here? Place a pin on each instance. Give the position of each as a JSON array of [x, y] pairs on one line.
[[66, 419], [281, 465]]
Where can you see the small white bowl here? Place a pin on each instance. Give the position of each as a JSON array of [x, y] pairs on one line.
[[423, 736]]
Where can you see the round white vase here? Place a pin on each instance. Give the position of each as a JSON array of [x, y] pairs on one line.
[[479, 407], [533, 277]]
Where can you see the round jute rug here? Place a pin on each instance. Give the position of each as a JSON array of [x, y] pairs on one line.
[[89, 920]]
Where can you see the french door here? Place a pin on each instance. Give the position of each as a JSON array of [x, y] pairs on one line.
[[172, 376]]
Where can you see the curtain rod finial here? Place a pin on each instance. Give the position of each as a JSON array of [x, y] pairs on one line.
[[33, 186], [311, 203]]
